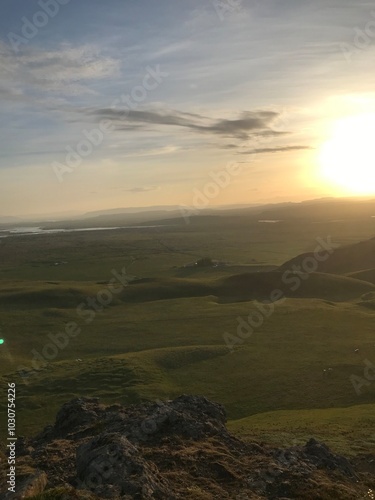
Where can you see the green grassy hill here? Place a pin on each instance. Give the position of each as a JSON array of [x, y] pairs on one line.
[[345, 259], [365, 275], [133, 352], [314, 285], [246, 286], [167, 333], [348, 430]]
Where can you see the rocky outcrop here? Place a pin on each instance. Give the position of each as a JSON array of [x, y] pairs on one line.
[[175, 450], [112, 467]]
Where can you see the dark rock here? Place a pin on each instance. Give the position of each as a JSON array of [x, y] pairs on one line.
[[74, 415], [191, 417], [174, 450], [321, 456], [110, 466]]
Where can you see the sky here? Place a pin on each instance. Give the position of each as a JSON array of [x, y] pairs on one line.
[[130, 103]]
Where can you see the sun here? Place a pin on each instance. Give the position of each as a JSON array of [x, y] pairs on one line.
[[347, 159]]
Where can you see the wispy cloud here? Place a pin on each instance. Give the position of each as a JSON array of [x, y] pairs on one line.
[[166, 150], [228, 80], [67, 70], [249, 122], [142, 189], [281, 149]]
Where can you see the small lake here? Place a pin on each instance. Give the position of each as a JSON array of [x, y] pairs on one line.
[[268, 221], [34, 230]]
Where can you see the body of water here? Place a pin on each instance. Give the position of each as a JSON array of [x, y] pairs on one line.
[[268, 221], [30, 231]]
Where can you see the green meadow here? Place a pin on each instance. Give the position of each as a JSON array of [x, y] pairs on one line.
[[172, 328]]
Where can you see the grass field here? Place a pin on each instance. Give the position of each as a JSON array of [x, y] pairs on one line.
[[165, 334]]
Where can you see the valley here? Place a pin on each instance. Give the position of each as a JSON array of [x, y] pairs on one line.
[[125, 319]]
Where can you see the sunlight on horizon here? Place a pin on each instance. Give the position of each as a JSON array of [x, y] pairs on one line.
[[347, 159]]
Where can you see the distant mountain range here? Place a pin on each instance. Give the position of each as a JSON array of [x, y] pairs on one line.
[[10, 220], [130, 210], [312, 210]]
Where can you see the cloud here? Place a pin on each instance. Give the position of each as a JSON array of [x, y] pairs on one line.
[[166, 150], [66, 70], [171, 49], [142, 189], [249, 122], [229, 146], [273, 150], [10, 94]]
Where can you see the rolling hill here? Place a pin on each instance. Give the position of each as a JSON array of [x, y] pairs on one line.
[[344, 260], [166, 332], [366, 275], [261, 286]]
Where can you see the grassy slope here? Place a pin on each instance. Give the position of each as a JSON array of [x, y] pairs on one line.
[[347, 430], [146, 350], [366, 275], [245, 286], [347, 259], [177, 346], [90, 256]]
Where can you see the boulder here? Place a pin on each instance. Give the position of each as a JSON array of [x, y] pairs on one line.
[[111, 467]]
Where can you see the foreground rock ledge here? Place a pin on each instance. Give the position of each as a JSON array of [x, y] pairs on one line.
[[177, 449]]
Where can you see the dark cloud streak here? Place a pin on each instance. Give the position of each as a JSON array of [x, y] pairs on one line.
[[142, 189], [281, 149], [249, 122]]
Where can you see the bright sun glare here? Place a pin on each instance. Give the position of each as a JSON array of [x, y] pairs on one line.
[[347, 159]]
